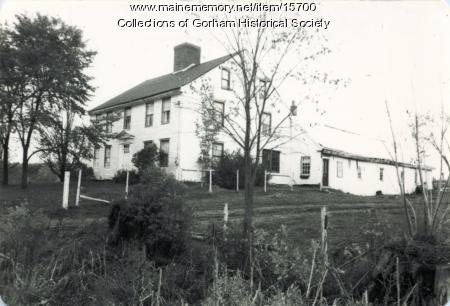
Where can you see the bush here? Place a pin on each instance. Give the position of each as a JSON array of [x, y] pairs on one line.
[[419, 189], [87, 173], [154, 215], [225, 171], [145, 158], [121, 177]]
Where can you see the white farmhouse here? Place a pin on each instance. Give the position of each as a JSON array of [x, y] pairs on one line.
[[164, 111]]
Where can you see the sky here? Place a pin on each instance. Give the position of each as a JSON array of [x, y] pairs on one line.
[[394, 51]]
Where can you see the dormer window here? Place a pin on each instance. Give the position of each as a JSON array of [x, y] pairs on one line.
[[225, 82]]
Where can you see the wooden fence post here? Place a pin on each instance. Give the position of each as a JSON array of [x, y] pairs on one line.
[[126, 184], [77, 199], [65, 202], [237, 180], [265, 180], [210, 180], [225, 217], [324, 228]]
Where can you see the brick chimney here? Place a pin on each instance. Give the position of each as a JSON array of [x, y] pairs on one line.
[[185, 54]]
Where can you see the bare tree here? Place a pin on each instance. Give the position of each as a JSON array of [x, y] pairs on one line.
[[262, 60], [435, 209]]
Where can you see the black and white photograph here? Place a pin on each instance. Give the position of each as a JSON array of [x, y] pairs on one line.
[[224, 153]]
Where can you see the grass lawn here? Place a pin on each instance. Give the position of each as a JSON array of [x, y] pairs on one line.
[[350, 217]]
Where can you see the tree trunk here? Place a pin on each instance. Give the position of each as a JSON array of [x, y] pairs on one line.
[[248, 199], [24, 183], [5, 147]]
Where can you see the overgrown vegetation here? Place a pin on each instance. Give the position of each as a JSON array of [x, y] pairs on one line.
[[224, 174], [52, 261], [154, 216]]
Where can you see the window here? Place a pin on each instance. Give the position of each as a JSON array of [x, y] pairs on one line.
[[225, 79], [96, 157], [305, 166], [149, 114], [402, 176], [164, 152], [148, 143], [109, 123], [99, 118], [127, 118], [107, 161], [126, 148], [358, 170], [271, 160], [266, 123], [381, 174], [340, 169], [165, 111], [416, 181], [219, 111], [217, 153]]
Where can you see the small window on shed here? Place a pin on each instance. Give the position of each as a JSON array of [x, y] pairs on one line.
[[381, 174], [305, 167], [358, 170]]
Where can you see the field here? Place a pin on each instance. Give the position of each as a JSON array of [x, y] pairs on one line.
[[350, 217]]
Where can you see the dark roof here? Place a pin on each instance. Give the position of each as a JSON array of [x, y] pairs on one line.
[[163, 83], [384, 161], [341, 143]]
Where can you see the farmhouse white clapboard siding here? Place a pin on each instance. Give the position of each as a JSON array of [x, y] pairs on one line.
[[337, 161]]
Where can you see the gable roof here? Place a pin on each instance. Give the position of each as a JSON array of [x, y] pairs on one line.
[[162, 84], [341, 143]]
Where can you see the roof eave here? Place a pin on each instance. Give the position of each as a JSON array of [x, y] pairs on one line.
[[169, 93], [384, 161]]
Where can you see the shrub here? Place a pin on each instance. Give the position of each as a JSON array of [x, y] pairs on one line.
[[419, 189], [121, 177], [225, 171], [145, 158], [87, 173], [154, 215]]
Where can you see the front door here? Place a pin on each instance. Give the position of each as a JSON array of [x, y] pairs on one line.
[[325, 172]]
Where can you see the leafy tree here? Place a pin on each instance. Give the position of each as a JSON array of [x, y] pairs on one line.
[[146, 157], [49, 60], [8, 100], [64, 145]]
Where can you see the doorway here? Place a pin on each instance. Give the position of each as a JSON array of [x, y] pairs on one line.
[[325, 171]]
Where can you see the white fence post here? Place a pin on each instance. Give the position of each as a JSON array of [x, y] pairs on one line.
[[77, 199], [324, 229], [237, 180], [265, 180], [210, 180], [65, 202], [225, 217], [126, 184]]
